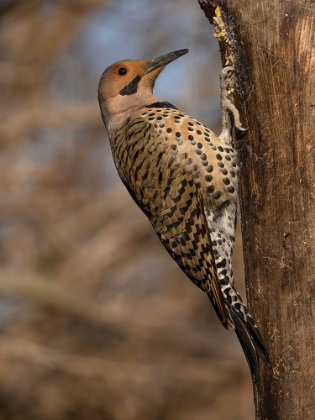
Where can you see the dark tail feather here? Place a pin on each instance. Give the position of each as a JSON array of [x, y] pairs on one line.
[[251, 341]]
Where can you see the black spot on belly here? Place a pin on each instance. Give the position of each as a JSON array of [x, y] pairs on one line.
[[226, 181], [210, 189], [216, 195]]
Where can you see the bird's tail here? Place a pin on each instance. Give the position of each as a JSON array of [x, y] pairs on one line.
[[250, 339]]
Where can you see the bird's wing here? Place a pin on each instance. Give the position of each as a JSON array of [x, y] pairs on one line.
[[169, 196], [182, 227]]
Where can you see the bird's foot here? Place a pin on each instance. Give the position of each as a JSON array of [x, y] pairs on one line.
[[227, 107]]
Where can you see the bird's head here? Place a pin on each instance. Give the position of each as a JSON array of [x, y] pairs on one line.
[[128, 85]]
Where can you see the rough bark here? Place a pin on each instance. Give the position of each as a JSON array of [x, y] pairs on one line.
[[273, 49]]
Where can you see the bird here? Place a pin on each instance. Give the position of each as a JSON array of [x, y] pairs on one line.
[[185, 180]]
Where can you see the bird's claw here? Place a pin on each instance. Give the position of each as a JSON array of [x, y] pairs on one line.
[[227, 106]]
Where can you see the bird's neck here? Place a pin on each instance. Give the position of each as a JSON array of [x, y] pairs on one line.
[[116, 112]]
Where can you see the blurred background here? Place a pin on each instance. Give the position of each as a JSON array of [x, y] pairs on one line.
[[97, 321]]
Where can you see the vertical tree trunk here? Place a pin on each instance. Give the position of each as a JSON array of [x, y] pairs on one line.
[[272, 45]]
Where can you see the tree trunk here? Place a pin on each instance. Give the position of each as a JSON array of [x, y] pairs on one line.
[[271, 45]]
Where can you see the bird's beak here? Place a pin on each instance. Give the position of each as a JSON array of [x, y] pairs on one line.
[[163, 60]]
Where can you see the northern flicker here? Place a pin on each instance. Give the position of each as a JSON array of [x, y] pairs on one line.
[[184, 178]]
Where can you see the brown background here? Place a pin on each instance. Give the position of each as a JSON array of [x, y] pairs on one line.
[[97, 322]]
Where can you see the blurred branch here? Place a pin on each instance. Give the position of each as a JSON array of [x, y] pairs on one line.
[[118, 371], [39, 290], [55, 117], [47, 293], [50, 294], [91, 219], [159, 336]]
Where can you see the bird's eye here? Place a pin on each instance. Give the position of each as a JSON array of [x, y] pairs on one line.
[[122, 71]]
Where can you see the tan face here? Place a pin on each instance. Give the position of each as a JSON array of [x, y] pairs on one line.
[[121, 75], [129, 77], [128, 85]]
